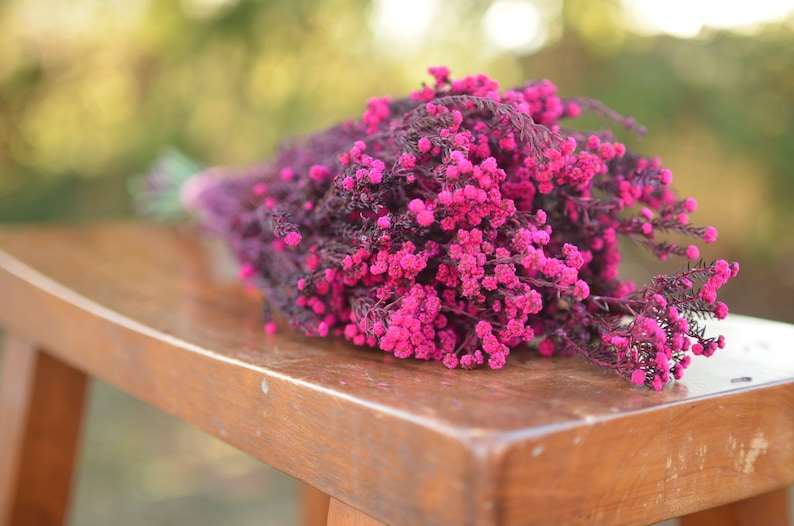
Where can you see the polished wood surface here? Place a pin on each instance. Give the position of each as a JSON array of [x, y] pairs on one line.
[[41, 404], [158, 313]]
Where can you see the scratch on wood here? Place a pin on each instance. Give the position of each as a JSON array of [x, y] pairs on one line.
[[745, 462]]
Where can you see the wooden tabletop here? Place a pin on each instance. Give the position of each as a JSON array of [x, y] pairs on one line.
[[157, 312]]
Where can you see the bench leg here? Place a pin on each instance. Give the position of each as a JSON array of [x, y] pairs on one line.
[[314, 505], [340, 514], [769, 509], [41, 405]]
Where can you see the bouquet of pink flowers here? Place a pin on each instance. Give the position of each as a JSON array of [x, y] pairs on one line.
[[461, 222]]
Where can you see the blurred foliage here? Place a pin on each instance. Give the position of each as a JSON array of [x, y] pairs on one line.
[[141, 466]]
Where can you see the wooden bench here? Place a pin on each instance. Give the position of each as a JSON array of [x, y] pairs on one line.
[[153, 311]]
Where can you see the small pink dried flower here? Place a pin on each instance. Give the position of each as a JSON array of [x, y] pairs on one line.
[[463, 221]]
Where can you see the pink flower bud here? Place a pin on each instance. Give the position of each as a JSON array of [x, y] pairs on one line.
[[292, 239]]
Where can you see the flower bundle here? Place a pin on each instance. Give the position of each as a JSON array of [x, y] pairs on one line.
[[462, 221]]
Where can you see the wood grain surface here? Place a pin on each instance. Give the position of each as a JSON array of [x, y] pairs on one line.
[[157, 312], [41, 406], [313, 506]]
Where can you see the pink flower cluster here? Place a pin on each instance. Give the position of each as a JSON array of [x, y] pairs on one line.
[[463, 221]]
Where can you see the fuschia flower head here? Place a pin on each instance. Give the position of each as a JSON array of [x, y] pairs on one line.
[[462, 222]]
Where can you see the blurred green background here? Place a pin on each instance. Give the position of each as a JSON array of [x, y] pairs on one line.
[[91, 91]]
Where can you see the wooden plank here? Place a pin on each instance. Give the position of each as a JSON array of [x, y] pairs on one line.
[[340, 514], [313, 506], [41, 406], [543, 441], [769, 509]]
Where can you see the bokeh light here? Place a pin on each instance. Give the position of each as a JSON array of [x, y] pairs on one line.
[[687, 18], [514, 25], [403, 23]]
